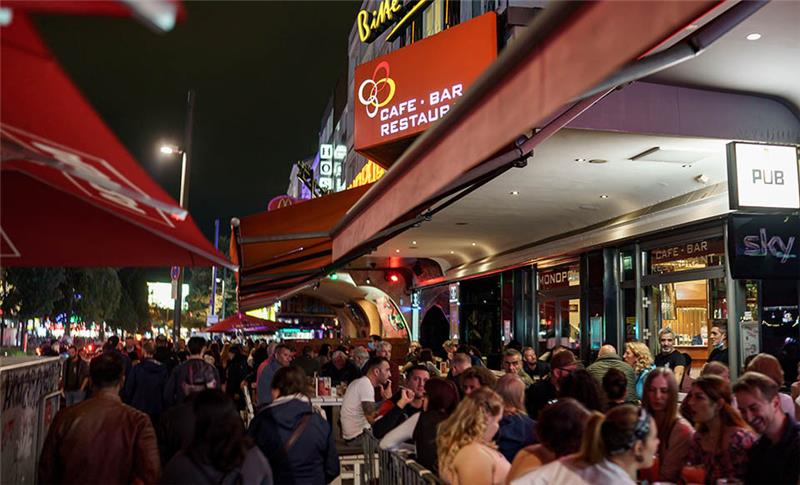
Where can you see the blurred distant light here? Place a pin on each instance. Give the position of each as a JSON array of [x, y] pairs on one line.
[[5, 16], [168, 150], [753, 36]]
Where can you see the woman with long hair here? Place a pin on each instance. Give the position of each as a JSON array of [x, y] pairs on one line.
[[660, 399], [638, 356], [441, 399], [723, 438], [615, 447], [293, 434], [560, 428], [580, 385], [467, 454], [219, 452], [517, 430]]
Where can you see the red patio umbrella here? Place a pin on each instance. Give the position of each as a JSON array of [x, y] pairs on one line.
[[70, 193], [244, 323]]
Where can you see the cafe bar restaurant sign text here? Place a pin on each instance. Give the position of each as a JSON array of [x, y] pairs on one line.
[[399, 95]]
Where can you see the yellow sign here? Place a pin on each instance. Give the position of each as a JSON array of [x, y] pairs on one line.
[[371, 172], [373, 23]]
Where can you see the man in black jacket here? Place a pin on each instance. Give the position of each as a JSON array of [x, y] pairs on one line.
[[404, 403], [541, 393], [144, 387], [191, 376]]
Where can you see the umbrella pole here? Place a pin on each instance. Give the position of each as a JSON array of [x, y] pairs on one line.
[[186, 158]]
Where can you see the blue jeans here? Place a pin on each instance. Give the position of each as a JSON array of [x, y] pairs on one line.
[[74, 397]]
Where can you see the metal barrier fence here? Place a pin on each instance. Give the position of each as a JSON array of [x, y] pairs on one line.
[[384, 467]]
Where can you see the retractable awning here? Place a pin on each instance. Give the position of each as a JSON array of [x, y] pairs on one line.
[[241, 322], [281, 249], [71, 194], [570, 48]]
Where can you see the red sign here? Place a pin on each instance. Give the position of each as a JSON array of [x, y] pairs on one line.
[[399, 95], [282, 201]]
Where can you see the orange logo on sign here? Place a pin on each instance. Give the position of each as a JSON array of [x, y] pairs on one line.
[[377, 92]]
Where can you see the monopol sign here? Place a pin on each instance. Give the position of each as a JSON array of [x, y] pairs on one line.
[[763, 176]]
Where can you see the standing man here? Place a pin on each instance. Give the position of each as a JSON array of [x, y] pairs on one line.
[[123, 436], [668, 357], [774, 457], [607, 358], [532, 365], [359, 410], [76, 377], [282, 357], [144, 388], [191, 376], [718, 337], [512, 364]]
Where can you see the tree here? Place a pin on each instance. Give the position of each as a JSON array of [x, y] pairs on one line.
[[200, 286], [30, 292], [132, 313], [91, 293]]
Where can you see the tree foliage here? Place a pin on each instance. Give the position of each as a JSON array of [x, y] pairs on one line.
[[31, 292]]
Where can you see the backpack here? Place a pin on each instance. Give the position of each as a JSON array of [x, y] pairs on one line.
[[198, 376]]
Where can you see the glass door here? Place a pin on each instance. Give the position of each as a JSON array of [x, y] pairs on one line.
[[547, 325], [570, 320]]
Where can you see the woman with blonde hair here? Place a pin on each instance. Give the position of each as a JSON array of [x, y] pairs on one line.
[[516, 428], [615, 447], [638, 356], [464, 442], [771, 367], [674, 433]]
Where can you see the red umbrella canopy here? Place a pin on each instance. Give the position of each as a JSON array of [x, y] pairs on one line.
[[245, 323], [70, 193]]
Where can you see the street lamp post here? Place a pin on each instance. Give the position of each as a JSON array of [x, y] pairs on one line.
[[186, 156]]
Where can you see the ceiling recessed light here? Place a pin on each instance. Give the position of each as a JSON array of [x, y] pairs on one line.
[[474, 244], [452, 252], [604, 196], [514, 192], [686, 165], [397, 250], [414, 243], [753, 36], [580, 159]]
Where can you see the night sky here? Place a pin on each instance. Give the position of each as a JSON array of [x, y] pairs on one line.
[[263, 72]]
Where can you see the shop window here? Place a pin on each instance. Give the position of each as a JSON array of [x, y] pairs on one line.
[[687, 256], [433, 18], [452, 15], [691, 308], [476, 8], [627, 266]]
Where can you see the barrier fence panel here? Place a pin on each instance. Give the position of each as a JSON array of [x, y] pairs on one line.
[[384, 467]]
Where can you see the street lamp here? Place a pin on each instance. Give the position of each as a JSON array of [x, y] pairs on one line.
[[185, 153]]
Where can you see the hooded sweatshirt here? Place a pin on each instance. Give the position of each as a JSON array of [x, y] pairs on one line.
[[144, 388], [312, 459]]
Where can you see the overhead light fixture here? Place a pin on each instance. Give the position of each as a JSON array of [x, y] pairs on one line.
[[397, 250], [604, 196], [580, 159], [702, 178], [367, 281], [686, 165], [452, 252], [474, 244], [514, 192], [598, 161], [414, 243], [753, 36]]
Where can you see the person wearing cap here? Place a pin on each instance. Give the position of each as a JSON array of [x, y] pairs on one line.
[[541, 393]]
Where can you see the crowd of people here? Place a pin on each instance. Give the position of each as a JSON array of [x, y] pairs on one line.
[[178, 414]]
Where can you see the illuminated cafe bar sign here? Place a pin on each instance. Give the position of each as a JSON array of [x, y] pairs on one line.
[[764, 246], [399, 95], [763, 176], [390, 13]]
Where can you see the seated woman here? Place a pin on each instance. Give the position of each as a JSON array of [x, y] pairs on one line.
[[615, 385], [293, 434], [464, 442], [582, 386], [615, 447], [723, 438], [517, 430], [219, 452], [559, 430], [638, 356], [674, 433], [441, 400]]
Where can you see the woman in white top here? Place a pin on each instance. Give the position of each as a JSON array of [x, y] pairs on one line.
[[614, 448], [464, 442]]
